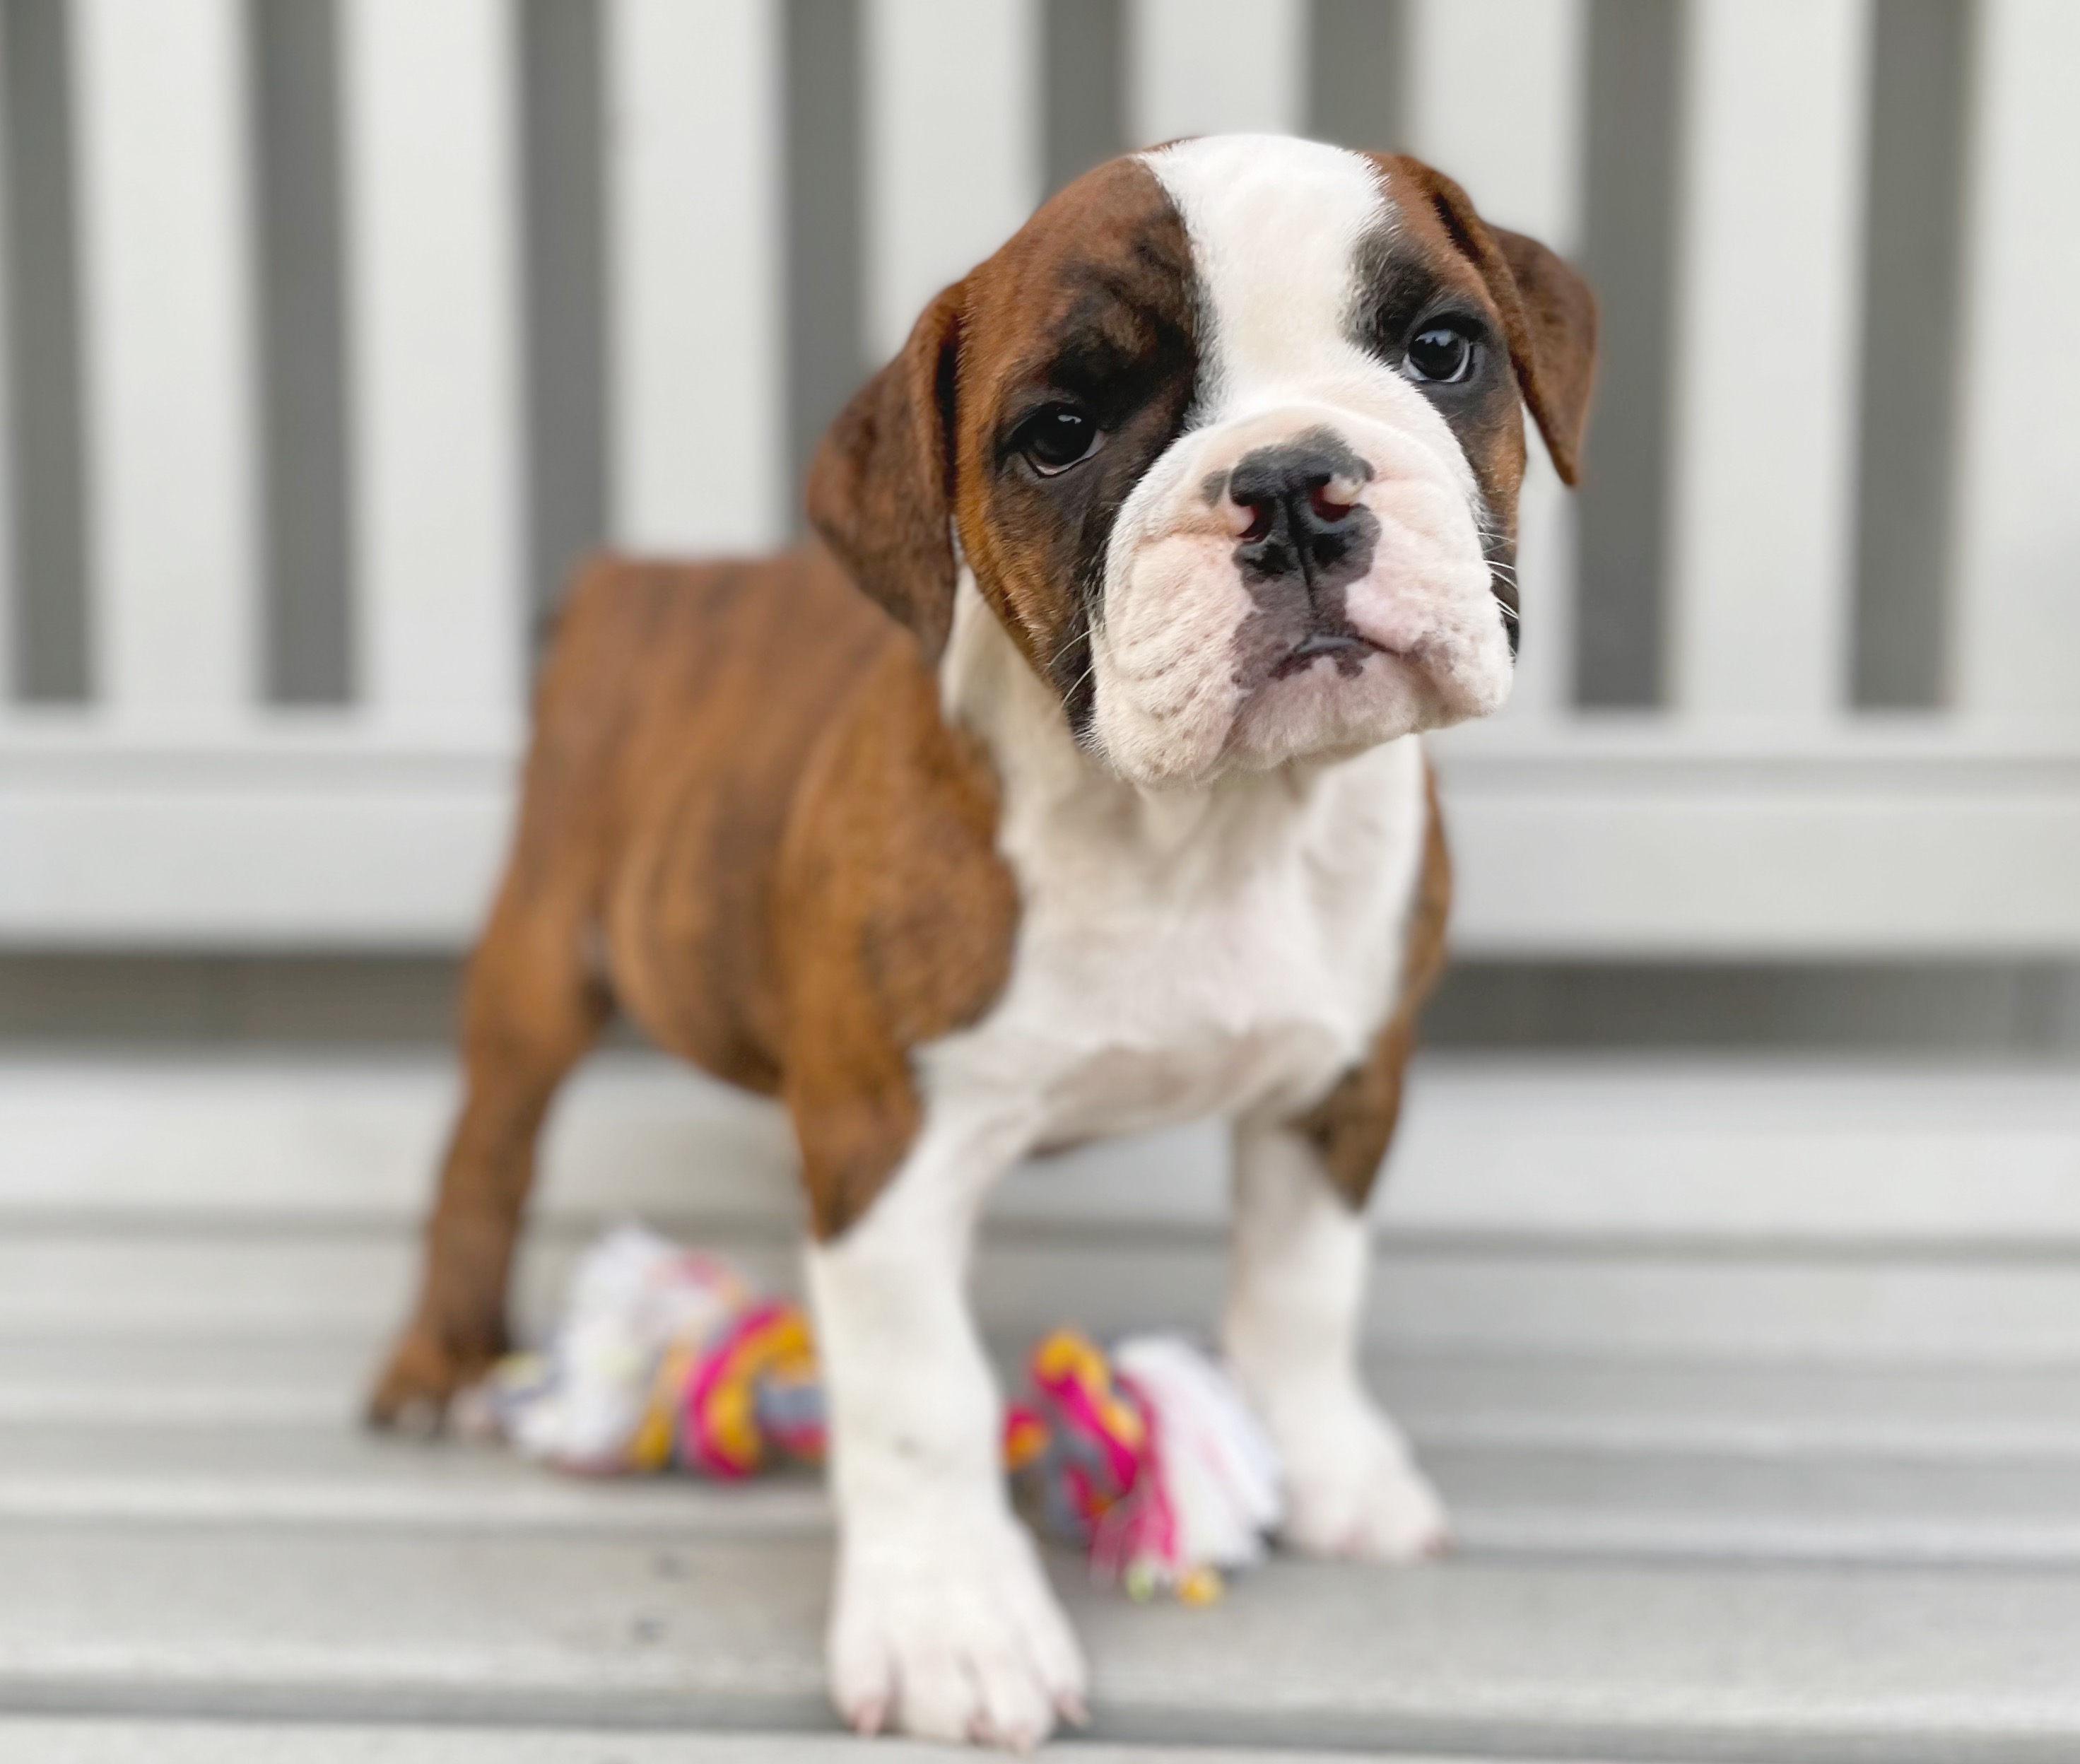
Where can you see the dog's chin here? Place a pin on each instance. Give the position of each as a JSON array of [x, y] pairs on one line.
[[1333, 705], [1318, 709]]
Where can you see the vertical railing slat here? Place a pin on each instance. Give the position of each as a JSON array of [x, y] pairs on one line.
[[2017, 549], [12, 618], [169, 328], [1496, 103], [561, 94], [694, 234], [1632, 104], [50, 622], [1763, 490], [301, 344], [1496, 90], [953, 147], [1204, 67], [432, 192]]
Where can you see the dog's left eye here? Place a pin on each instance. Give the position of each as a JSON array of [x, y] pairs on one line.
[[1057, 437], [1442, 354]]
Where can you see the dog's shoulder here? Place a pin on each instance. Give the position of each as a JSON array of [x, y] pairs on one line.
[[894, 923]]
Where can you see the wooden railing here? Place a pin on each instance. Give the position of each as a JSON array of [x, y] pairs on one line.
[[173, 786]]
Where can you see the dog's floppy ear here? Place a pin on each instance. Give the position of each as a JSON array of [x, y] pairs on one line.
[[1559, 369], [881, 486], [1548, 315]]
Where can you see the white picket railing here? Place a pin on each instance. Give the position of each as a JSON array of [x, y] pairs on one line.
[[1756, 816]]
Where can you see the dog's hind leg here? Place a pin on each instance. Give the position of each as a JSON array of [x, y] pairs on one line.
[[533, 1003]]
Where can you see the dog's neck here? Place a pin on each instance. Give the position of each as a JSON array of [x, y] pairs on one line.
[[988, 688]]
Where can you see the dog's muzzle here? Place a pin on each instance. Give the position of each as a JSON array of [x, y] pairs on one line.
[[1304, 538]]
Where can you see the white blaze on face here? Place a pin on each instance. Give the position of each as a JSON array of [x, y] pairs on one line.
[[1277, 229]]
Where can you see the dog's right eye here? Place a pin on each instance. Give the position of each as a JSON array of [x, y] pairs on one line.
[[1056, 438], [1442, 354]]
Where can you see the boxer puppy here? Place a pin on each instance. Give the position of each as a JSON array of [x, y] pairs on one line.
[[1072, 787]]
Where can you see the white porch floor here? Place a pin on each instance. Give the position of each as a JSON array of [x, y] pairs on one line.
[[1755, 1391]]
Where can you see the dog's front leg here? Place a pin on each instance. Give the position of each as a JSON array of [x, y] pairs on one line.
[[1295, 1308], [943, 1623]]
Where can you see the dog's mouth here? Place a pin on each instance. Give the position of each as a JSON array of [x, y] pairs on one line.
[[1344, 646]]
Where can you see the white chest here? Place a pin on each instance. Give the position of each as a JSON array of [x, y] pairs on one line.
[[1185, 954]]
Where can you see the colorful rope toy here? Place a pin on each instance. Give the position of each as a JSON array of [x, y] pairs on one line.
[[1145, 1458]]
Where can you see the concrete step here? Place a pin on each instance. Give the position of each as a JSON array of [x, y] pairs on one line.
[[716, 1631], [89, 1740], [1615, 1208], [1769, 1410], [1757, 1401], [122, 1279], [1730, 1148], [1512, 1500]]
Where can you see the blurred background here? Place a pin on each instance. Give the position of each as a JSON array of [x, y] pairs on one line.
[[336, 329], [1730, 1266]]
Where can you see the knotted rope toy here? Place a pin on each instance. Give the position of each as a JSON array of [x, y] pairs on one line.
[[1145, 1457]]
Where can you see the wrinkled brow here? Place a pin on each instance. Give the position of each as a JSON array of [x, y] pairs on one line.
[[1111, 320]]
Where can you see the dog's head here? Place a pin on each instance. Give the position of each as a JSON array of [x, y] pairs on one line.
[[1229, 434]]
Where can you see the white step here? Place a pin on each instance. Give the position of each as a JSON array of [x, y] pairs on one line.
[[1809, 1152], [1519, 1496], [712, 1632], [1756, 1394], [87, 1741], [1745, 1411], [118, 1280]]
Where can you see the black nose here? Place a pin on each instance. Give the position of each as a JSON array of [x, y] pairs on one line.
[[1301, 522]]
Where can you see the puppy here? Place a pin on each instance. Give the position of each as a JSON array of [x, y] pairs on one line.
[[1071, 786]]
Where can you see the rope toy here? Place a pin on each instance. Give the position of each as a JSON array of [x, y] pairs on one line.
[[1144, 1458]]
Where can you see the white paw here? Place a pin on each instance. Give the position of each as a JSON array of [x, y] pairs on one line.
[[955, 1636], [1352, 1489]]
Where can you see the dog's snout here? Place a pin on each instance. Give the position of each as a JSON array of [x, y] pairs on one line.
[[1317, 488], [1296, 503]]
